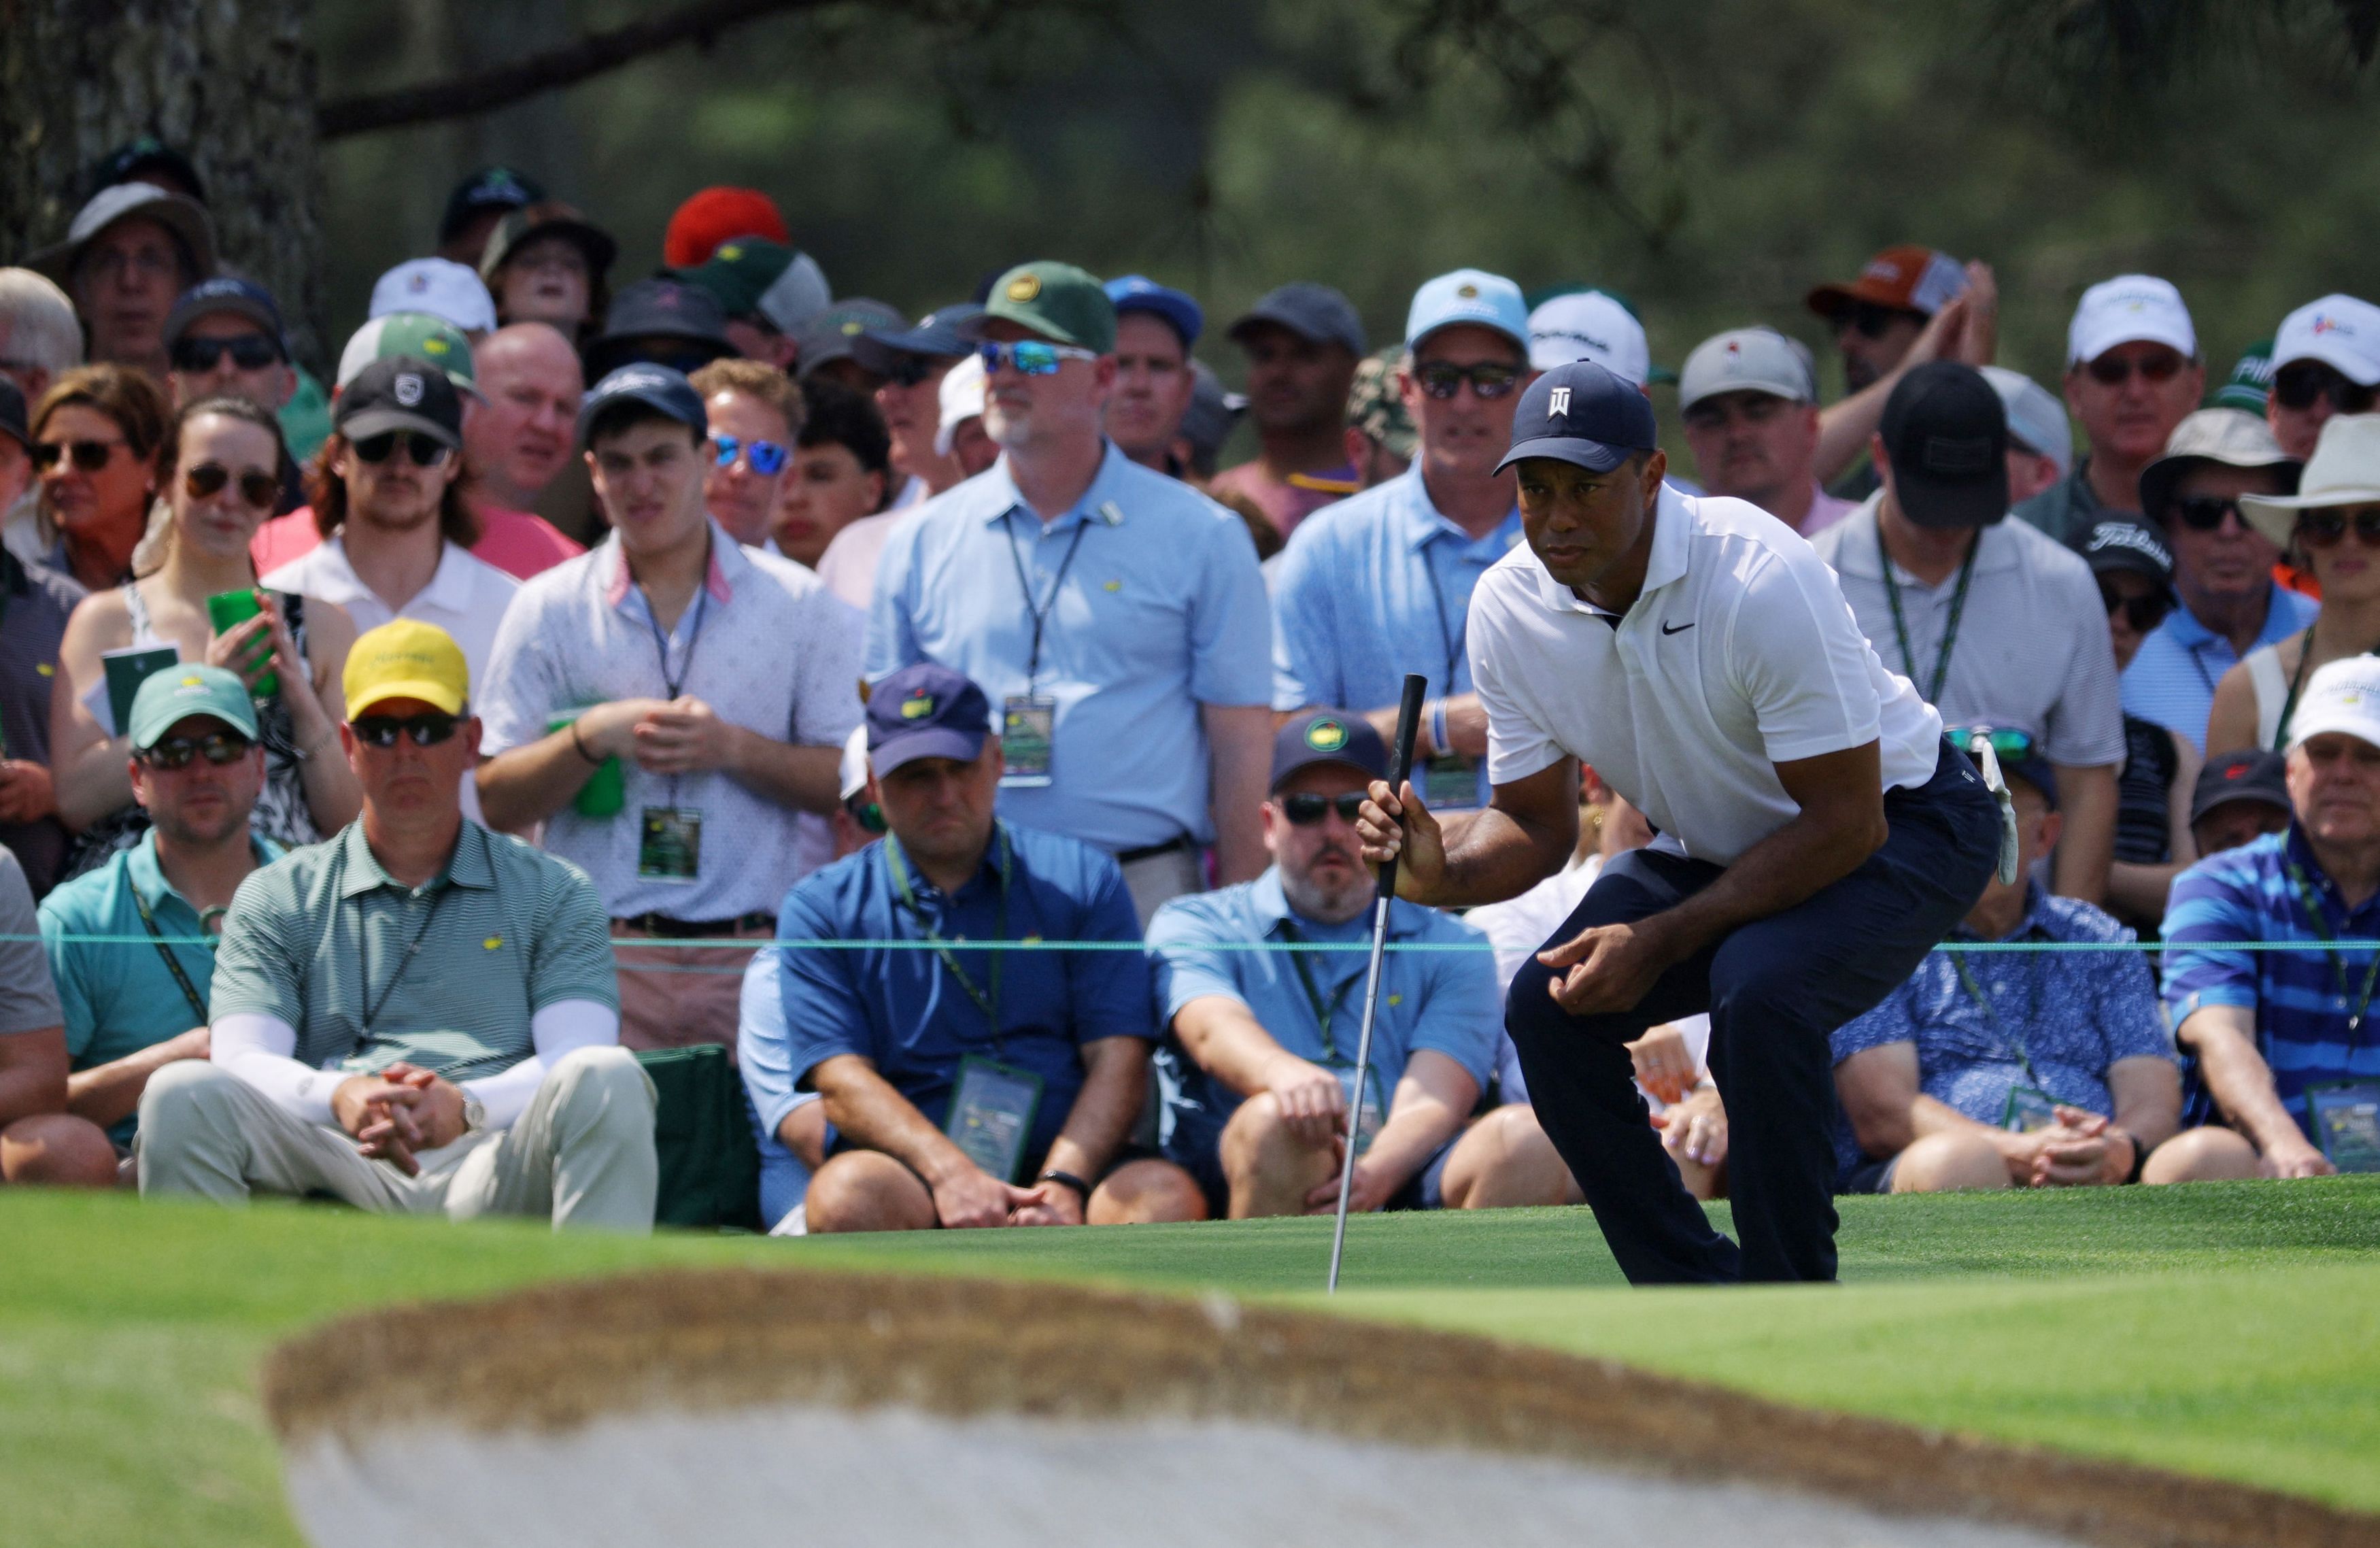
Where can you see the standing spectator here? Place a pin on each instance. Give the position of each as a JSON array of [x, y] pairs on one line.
[[1214, 414], [841, 476], [2134, 571], [1749, 406], [644, 650], [475, 206], [2041, 441], [128, 254], [1156, 327], [32, 1042], [855, 546], [2264, 1030], [2240, 798], [830, 344], [1908, 305], [1381, 586], [714, 215], [768, 292], [1129, 660], [752, 410], [1591, 325], [480, 1076], [2333, 522], [451, 292], [1931, 552], [225, 338], [951, 1077], [16, 445], [1260, 1069], [1381, 439], [2250, 385], [2133, 373], [35, 602], [2222, 567], [546, 263], [912, 363], [962, 436], [95, 438], [40, 337], [516, 442], [2324, 360], [659, 322], [1303, 342]]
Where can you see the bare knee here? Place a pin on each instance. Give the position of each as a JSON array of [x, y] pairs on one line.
[[2197, 1155], [57, 1150], [1948, 1162], [1505, 1160], [1268, 1168], [1146, 1193], [863, 1191]]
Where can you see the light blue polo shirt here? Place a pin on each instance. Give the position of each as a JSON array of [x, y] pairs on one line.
[[2172, 680], [1372, 588], [1163, 610]]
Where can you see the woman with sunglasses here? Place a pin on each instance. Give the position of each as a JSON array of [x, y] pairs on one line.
[[95, 436], [2331, 527], [223, 464]]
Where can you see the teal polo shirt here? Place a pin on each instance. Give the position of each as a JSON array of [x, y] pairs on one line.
[[119, 997]]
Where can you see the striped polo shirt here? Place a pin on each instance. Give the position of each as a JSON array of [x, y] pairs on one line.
[[326, 941], [2302, 1009]]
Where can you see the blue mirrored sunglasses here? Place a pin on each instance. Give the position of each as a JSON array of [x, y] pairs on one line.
[[2007, 741], [1031, 357], [767, 457]]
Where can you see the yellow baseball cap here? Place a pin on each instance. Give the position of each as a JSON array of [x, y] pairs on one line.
[[407, 659]]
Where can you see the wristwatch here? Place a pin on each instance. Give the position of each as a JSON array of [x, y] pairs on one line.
[[475, 1113]]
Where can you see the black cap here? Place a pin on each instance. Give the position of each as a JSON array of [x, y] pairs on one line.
[[1580, 413], [491, 188], [148, 154], [2114, 544], [926, 710], [400, 393], [2241, 776], [656, 386], [1339, 737], [12, 414], [1946, 434], [661, 308]]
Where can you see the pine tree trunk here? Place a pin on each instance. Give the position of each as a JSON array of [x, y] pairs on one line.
[[229, 82]]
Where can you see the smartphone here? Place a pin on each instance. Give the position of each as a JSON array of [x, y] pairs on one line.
[[227, 610]]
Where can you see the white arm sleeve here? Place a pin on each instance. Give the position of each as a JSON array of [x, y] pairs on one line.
[[559, 1029], [257, 1048]]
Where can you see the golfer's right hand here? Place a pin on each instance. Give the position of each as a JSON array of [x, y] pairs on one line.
[[1310, 1099], [1395, 825]]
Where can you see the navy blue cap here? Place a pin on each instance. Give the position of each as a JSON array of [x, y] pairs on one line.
[[656, 386], [491, 188], [1339, 737], [925, 712], [661, 308], [1581, 413], [2249, 774], [1140, 293], [223, 293], [936, 334]]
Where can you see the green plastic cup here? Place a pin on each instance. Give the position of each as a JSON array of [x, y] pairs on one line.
[[226, 611], [606, 790]]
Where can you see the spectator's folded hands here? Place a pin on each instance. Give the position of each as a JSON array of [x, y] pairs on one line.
[[1696, 1129], [1665, 1065], [1313, 1103], [685, 735]]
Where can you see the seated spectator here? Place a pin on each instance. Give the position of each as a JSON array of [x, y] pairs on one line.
[[644, 650], [754, 412], [95, 436], [224, 339], [476, 204], [2041, 439], [2324, 360], [659, 322], [2132, 374], [842, 472], [1156, 325], [768, 292], [33, 1049], [197, 770], [223, 465], [913, 362], [2013, 1069], [2222, 567], [418, 1016], [1303, 342], [2153, 793], [2331, 525], [1506, 1159], [830, 344], [16, 445], [1908, 305], [451, 292], [545, 263], [965, 1088], [127, 255], [1748, 400], [1259, 1066], [35, 601], [2240, 798], [2266, 1031], [1381, 439], [1591, 325]]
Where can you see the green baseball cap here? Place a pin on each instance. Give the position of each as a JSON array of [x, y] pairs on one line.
[[1375, 408], [2251, 381], [1056, 300], [753, 277], [416, 334], [179, 692]]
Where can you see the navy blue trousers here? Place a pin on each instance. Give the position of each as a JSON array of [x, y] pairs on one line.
[[1776, 990]]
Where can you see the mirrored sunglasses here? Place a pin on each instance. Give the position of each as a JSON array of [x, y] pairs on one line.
[[1031, 357], [764, 458], [1490, 379], [2007, 742]]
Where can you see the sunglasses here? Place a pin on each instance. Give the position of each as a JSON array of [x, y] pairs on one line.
[[219, 749], [2143, 613], [1031, 357], [87, 455], [248, 351], [765, 457], [2006, 742], [2325, 529], [2204, 513], [425, 452], [1488, 379], [1306, 809], [911, 370], [2302, 384], [867, 814], [257, 487], [2114, 370], [382, 731], [1871, 321]]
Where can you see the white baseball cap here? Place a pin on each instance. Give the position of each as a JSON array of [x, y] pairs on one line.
[[439, 286], [962, 399], [2037, 420], [1590, 325], [2340, 331], [1748, 361], [2342, 695], [2129, 309]]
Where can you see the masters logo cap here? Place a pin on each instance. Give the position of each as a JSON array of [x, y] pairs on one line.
[[1471, 296], [1339, 737], [1584, 415], [2340, 331], [409, 332], [751, 276], [1590, 325], [925, 712], [2341, 695], [2129, 309], [1056, 300], [1747, 360], [174, 695], [405, 659]]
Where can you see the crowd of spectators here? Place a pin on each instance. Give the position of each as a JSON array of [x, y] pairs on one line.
[[599, 624]]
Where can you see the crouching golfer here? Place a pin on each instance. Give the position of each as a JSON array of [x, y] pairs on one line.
[[1817, 833]]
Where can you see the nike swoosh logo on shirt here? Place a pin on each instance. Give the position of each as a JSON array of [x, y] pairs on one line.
[[1675, 629]]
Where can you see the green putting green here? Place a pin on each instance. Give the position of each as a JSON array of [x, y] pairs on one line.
[[2232, 1330]]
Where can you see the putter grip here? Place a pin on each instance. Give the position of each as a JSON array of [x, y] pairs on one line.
[[1400, 766]]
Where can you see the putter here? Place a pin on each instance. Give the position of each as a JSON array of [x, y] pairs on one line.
[[1408, 721]]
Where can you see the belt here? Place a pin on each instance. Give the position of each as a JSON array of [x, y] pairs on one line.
[[678, 929], [1179, 841]]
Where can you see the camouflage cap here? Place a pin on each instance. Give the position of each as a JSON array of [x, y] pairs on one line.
[[1375, 408]]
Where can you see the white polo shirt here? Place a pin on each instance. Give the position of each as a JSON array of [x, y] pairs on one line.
[[1739, 653]]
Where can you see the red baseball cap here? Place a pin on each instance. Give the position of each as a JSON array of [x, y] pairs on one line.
[[1905, 278], [715, 216]]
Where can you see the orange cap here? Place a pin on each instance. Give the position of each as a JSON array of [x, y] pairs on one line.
[[1912, 278]]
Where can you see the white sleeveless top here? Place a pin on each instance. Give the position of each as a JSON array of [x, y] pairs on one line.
[[2272, 686]]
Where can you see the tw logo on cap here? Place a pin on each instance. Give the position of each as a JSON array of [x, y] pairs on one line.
[[1559, 403]]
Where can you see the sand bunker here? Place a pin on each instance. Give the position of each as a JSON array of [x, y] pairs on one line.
[[746, 1406]]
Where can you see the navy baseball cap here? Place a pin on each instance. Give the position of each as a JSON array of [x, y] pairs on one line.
[[491, 188], [1140, 293], [925, 712], [1339, 737], [2251, 776], [1581, 414], [1945, 434], [687, 316], [1314, 312], [241, 298], [656, 386], [937, 334]]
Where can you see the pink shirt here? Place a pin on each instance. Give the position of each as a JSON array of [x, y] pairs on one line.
[[515, 541], [1285, 502]]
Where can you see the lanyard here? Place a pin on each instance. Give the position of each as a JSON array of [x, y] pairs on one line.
[[661, 642], [1975, 992], [1039, 611], [172, 964], [2338, 965], [1449, 636], [1949, 630], [987, 1004], [1323, 1015], [374, 1008]]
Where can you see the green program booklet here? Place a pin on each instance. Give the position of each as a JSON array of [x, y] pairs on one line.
[[127, 669]]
